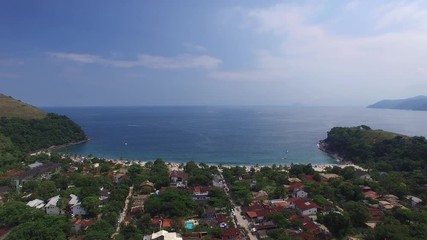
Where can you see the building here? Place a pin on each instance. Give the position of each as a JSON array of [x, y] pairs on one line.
[[51, 206], [147, 187], [178, 179], [218, 181], [200, 193], [76, 206], [415, 201], [36, 203], [306, 206], [44, 171], [163, 235]]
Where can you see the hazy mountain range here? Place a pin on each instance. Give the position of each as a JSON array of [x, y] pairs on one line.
[[418, 103]]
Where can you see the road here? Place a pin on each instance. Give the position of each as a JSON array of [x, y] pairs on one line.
[[123, 213], [238, 214], [243, 222]]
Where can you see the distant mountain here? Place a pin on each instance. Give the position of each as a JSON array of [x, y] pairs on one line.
[[12, 108], [418, 103]]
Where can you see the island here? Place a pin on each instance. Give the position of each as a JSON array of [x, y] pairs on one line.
[[418, 103]]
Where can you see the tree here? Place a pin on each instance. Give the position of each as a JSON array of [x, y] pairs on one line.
[[90, 204], [357, 212], [337, 223]]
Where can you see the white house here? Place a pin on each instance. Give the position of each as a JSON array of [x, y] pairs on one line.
[[51, 206], [300, 193], [164, 235], [306, 206], [76, 206], [415, 201]]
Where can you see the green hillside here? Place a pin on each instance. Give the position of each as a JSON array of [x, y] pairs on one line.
[[24, 128], [12, 108], [381, 150]]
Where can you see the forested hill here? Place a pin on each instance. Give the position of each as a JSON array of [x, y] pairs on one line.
[[24, 128], [416, 103], [380, 150]]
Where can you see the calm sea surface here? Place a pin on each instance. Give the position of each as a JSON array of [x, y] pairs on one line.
[[228, 135]]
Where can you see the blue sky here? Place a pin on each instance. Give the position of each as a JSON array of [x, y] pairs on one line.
[[104, 53]]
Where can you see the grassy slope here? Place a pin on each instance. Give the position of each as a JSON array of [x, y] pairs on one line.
[[375, 136], [12, 108]]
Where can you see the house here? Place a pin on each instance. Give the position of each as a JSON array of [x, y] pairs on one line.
[[218, 181], [297, 190], [76, 206], [104, 194], [328, 176], [231, 233], [167, 223], [371, 194], [306, 206], [259, 196], [178, 178], [294, 180], [35, 165], [279, 203], [147, 187], [393, 199], [45, 171], [375, 216], [51, 206], [384, 205], [415, 201], [163, 235], [200, 193], [366, 177], [36, 203]]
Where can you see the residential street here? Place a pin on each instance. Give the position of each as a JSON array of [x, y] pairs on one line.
[[243, 222], [123, 213], [238, 214]]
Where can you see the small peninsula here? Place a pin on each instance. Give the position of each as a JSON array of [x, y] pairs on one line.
[[418, 103]]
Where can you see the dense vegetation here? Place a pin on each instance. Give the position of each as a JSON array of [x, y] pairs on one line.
[[20, 136], [398, 165], [30, 135], [378, 149]]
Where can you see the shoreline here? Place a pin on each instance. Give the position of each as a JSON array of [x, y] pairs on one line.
[[176, 165], [57, 147]]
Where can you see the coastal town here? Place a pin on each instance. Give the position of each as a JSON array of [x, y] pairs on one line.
[[119, 199]]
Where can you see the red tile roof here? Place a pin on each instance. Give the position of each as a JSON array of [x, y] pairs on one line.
[[295, 186], [179, 174], [221, 218], [304, 204], [371, 194], [167, 223], [252, 214], [155, 221], [230, 233]]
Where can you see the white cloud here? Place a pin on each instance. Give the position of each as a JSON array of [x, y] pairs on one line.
[[184, 61], [406, 14], [310, 56]]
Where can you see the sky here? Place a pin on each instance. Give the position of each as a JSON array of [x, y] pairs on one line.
[[222, 52]]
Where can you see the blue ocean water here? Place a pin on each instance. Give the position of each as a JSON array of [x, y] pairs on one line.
[[227, 135]]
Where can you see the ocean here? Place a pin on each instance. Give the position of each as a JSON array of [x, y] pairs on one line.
[[227, 135]]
